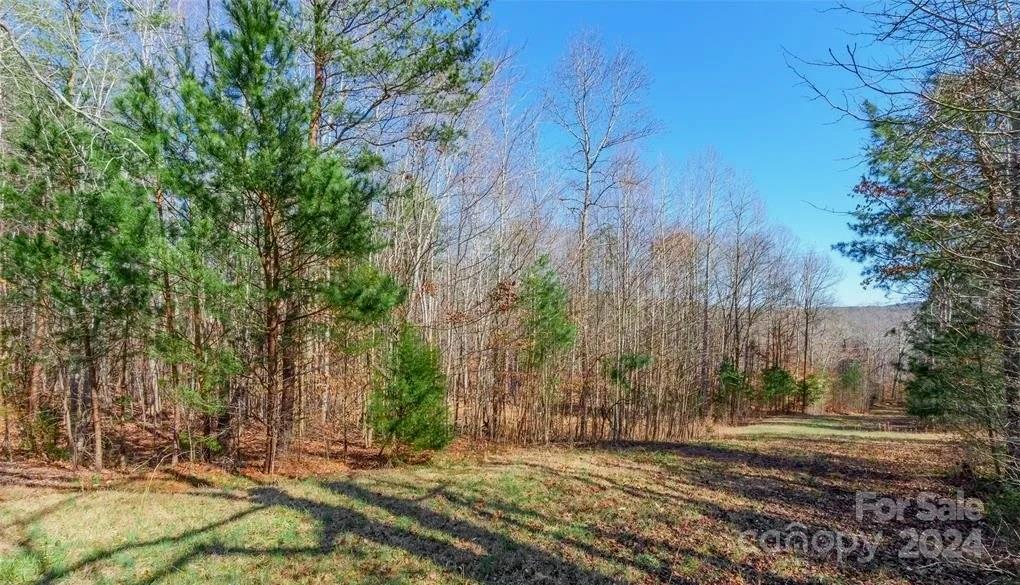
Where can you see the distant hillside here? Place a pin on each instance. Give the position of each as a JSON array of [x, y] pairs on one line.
[[866, 323], [873, 335]]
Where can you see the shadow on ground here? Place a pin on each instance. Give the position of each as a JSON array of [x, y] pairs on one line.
[[639, 512]]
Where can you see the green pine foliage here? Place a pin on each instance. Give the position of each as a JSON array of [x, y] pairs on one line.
[[409, 405], [732, 383], [545, 302], [76, 250], [619, 370], [424, 51], [274, 229], [813, 388], [363, 294], [777, 384], [956, 376], [851, 387], [851, 376], [82, 232], [220, 215], [249, 163]]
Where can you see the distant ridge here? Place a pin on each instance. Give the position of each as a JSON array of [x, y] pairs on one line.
[[911, 305]]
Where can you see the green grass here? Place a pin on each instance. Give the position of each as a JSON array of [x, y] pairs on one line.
[[413, 525], [639, 515], [860, 428]]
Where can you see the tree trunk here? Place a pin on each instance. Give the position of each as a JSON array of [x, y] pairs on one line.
[[290, 353], [274, 311], [1011, 303], [804, 365], [272, 384], [92, 383], [35, 372], [169, 311]]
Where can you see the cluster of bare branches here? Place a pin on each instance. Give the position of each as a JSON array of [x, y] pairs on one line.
[[940, 210], [675, 276], [947, 133]]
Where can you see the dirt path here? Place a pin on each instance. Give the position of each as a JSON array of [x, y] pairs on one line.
[[637, 513]]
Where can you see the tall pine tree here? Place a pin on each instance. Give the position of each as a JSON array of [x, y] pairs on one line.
[[78, 246], [294, 221]]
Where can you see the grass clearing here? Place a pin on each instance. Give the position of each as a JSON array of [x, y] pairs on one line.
[[643, 513]]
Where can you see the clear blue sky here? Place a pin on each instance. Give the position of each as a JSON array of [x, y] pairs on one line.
[[720, 79]]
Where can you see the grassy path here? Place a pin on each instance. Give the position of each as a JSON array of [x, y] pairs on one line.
[[627, 514]]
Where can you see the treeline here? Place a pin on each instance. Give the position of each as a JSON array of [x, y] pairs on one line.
[[939, 212], [285, 227]]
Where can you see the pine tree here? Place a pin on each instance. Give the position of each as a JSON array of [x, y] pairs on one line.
[[409, 405], [851, 382], [957, 377], [279, 217], [812, 389], [620, 371], [733, 384], [81, 248], [777, 385], [546, 328], [931, 218]]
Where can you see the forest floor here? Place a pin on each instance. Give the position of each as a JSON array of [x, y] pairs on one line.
[[634, 513]]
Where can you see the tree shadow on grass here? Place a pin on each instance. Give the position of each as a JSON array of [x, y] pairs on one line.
[[736, 487], [512, 562], [478, 551], [823, 466], [484, 538], [26, 475], [458, 546], [465, 548], [52, 574], [716, 549]]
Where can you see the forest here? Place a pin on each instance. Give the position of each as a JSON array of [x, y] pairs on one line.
[[254, 233], [221, 251]]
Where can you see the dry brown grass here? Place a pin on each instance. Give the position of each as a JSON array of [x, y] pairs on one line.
[[633, 513]]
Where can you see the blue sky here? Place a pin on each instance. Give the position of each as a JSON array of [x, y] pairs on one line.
[[720, 79]]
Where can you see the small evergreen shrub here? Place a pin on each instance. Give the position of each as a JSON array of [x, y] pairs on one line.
[[409, 405]]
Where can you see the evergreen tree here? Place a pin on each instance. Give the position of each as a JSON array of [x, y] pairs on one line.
[[954, 372], [278, 217], [546, 328], [813, 388], [407, 66], [409, 405], [957, 377], [79, 248], [777, 385], [733, 385], [620, 371], [932, 219], [850, 383]]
